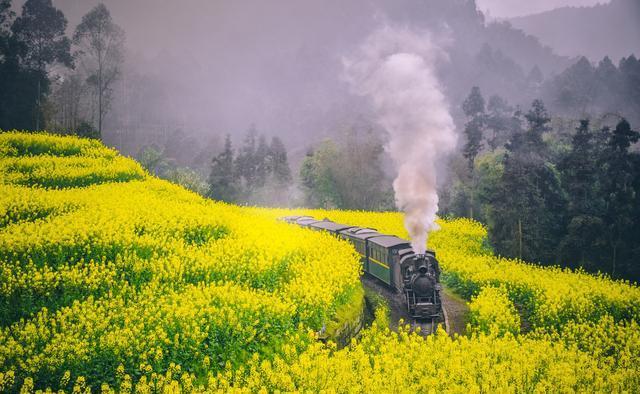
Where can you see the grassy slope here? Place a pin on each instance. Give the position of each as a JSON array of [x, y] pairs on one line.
[[138, 275]]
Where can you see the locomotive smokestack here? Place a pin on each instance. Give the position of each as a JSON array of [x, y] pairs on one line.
[[423, 268], [396, 69]]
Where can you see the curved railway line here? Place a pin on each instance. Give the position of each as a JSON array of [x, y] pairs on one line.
[[408, 281]]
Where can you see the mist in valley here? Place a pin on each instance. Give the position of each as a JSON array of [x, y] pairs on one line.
[[210, 68]]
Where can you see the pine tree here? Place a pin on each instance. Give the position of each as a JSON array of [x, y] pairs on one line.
[[279, 162], [498, 120], [245, 163], [581, 243], [222, 180], [473, 108], [621, 198], [528, 212], [262, 162], [538, 119]]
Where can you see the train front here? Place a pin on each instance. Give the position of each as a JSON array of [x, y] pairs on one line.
[[422, 287]]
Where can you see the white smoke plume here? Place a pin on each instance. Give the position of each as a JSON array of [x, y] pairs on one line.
[[396, 69]]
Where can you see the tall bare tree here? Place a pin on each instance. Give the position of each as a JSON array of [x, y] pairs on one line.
[[100, 44]]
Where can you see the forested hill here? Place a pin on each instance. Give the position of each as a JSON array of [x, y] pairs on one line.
[[164, 84], [587, 31]]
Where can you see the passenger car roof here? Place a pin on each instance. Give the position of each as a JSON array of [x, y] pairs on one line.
[[306, 221], [330, 226], [390, 241], [360, 232]]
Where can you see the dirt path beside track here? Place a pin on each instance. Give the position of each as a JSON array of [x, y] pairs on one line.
[[456, 308]]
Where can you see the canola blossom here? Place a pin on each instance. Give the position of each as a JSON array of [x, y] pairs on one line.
[[114, 281]]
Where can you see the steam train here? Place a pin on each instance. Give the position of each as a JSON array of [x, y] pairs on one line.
[[392, 261]]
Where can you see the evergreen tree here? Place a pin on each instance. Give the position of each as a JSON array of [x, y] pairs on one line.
[[245, 163], [528, 211], [583, 239], [498, 121], [473, 108], [538, 119], [574, 89], [608, 86], [279, 162], [262, 162], [621, 199], [222, 180], [629, 85]]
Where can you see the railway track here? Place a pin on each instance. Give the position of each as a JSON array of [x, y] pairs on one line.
[[398, 313]]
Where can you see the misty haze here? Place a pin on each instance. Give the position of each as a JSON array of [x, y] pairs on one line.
[[319, 196]]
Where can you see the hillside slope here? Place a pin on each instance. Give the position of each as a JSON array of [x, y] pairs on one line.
[[116, 281], [611, 29]]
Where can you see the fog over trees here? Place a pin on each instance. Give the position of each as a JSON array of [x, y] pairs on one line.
[[215, 67]]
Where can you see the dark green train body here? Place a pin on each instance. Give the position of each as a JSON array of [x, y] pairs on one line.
[[392, 261]]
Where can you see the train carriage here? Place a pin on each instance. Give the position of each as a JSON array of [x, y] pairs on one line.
[[358, 236], [384, 254]]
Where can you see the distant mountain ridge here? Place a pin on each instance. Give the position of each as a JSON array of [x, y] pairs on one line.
[[611, 29]]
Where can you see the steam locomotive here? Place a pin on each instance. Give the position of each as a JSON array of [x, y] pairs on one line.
[[392, 261]]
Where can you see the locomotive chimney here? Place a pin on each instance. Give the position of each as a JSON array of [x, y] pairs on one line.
[[421, 264]]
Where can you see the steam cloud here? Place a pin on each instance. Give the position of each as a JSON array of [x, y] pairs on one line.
[[395, 68]]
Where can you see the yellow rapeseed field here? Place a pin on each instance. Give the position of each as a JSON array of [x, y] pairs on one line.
[[112, 280]]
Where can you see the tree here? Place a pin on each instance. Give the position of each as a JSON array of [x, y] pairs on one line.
[[262, 162], [222, 180], [499, 121], [574, 89], [538, 119], [579, 168], [187, 178], [279, 162], [152, 159], [630, 80], [347, 175], [473, 108], [6, 17], [527, 217], [318, 176], [68, 97], [245, 163], [39, 41], [609, 85], [100, 45], [621, 198]]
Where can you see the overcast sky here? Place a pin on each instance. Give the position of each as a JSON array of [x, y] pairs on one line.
[[511, 8]]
